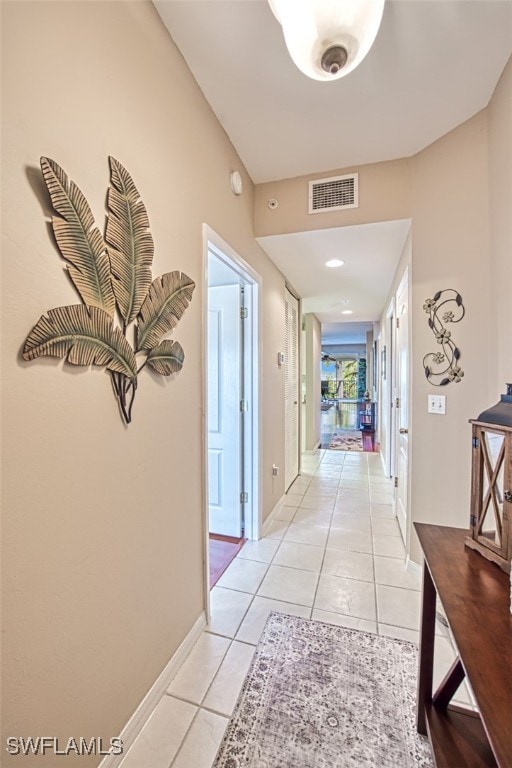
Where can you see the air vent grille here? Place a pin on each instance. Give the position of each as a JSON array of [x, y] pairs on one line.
[[334, 194]]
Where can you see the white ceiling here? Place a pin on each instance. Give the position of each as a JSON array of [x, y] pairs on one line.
[[348, 333], [371, 253], [434, 64]]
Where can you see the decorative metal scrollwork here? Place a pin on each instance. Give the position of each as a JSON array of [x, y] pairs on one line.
[[443, 367]]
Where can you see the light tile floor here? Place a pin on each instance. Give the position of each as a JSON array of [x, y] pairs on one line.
[[333, 553]]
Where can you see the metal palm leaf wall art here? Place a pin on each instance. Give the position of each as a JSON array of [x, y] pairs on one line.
[[112, 275]]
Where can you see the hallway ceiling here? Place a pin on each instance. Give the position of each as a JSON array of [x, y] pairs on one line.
[[371, 253], [434, 64], [334, 334]]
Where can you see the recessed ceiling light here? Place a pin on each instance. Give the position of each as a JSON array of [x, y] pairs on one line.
[[334, 263], [346, 312]]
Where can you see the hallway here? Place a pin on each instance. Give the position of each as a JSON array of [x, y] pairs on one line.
[[340, 415], [333, 552]]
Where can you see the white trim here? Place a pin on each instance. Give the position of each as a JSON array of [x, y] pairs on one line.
[[252, 441], [413, 567], [270, 519], [204, 427], [388, 393], [253, 282], [403, 280], [141, 715], [403, 285], [226, 253]]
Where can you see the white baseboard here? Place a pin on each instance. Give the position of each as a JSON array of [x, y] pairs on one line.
[[270, 519], [312, 451], [136, 722], [413, 567]]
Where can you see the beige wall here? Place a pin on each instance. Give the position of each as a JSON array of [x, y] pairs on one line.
[[103, 525], [500, 227], [450, 249], [458, 194], [313, 386], [462, 239], [384, 195]]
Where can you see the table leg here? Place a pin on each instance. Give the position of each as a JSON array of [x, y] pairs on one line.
[[426, 656]]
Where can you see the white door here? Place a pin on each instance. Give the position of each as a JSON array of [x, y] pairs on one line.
[[291, 373], [224, 395], [402, 410]]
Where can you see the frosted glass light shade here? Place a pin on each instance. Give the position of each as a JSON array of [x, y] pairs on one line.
[[327, 39]]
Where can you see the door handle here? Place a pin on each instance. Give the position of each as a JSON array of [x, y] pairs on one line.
[[403, 431], [295, 402]]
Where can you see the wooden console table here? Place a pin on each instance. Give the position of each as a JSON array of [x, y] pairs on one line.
[[476, 599]]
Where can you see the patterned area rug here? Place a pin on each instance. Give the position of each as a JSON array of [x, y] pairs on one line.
[[346, 440], [323, 696]]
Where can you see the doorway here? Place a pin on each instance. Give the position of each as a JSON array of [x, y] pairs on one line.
[[402, 405], [291, 387], [230, 391], [388, 394]]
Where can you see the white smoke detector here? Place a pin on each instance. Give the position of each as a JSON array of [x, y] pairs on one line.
[[236, 183]]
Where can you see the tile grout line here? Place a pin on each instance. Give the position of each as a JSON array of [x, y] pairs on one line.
[[377, 624], [198, 709], [313, 606], [255, 594]]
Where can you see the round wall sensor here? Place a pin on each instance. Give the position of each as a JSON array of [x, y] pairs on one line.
[[273, 203], [236, 183]]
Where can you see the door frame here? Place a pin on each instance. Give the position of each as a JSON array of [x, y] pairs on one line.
[[225, 388], [404, 281], [388, 393], [252, 444], [297, 298]]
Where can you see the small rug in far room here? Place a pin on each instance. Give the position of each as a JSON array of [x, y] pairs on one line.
[[346, 440], [324, 696]]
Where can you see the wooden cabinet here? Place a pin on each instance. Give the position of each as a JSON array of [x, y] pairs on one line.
[[366, 416], [475, 595]]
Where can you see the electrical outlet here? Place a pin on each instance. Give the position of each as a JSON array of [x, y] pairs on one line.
[[437, 404], [275, 470]]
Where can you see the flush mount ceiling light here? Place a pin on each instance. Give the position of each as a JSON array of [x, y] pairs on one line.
[[346, 312], [334, 263], [327, 39]]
